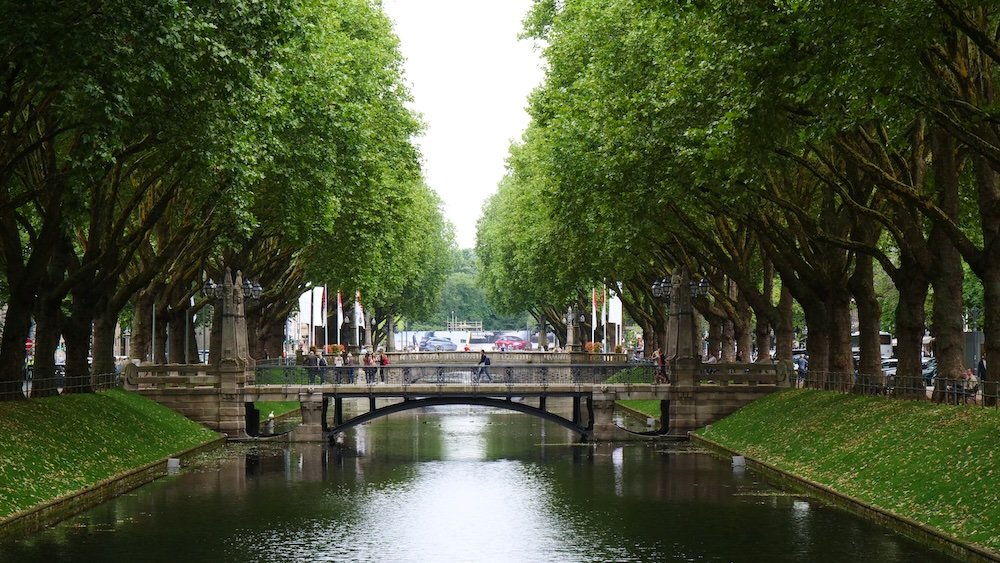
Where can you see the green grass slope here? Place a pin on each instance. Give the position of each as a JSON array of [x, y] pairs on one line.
[[54, 446], [936, 464]]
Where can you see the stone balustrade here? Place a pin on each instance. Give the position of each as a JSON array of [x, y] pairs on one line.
[[510, 357], [725, 374]]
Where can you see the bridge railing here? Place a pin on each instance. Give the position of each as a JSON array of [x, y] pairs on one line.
[[169, 376], [725, 374], [509, 357], [469, 373], [58, 383]]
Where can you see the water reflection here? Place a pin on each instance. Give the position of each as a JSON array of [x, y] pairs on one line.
[[464, 484]]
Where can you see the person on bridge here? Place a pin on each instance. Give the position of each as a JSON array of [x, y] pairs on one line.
[[368, 361], [383, 360], [484, 367], [314, 364], [661, 367]]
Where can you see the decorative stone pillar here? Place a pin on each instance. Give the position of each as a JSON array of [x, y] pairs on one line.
[[390, 331], [572, 342], [235, 367], [311, 407], [605, 428], [352, 339], [369, 320]]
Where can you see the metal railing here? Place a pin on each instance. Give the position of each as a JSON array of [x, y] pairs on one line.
[[957, 391], [469, 374], [57, 384]]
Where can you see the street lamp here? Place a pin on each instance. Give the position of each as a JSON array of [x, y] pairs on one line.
[[661, 289], [212, 290], [252, 290], [680, 312], [698, 288]]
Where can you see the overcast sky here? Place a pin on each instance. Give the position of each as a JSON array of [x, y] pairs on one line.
[[470, 77]]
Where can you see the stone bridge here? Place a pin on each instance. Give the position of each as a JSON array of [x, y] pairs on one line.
[[222, 398]]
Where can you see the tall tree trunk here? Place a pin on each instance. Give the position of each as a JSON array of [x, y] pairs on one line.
[[48, 330], [17, 324], [988, 268], [24, 275], [946, 272], [160, 323], [869, 324], [728, 341], [763, 329], [910, 323], [715, 327], [176, 332], [139, 347], [817, 341], [272, 339], [77, 335], [104, 341], [840, 367], [784, 333]]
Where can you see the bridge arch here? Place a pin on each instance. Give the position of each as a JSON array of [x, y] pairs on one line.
[[410, 404]]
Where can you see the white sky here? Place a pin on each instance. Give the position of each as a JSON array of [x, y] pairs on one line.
[[470, 77]]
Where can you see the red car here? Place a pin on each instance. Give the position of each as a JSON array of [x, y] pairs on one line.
[[510, 342]]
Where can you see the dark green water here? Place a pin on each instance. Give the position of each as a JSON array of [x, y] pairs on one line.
[[463, 484]]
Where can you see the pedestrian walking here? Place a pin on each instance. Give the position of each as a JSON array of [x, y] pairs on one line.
[[484, 367], [349, 364], [383, 360], [338, 368], [314, 364], [368, 363], [660, 375]]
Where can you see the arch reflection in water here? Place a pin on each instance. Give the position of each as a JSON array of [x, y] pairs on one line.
[[463, 507]]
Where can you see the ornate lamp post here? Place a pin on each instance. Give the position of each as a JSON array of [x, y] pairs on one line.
[[680, 327], [232, 293]]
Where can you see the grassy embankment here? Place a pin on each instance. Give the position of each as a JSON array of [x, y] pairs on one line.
[[279, 408], [936, 464], [650, 408], [58, 445]]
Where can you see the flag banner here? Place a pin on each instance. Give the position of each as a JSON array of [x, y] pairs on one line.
[[340, 311], [593, 309], [604, 305], [359, 311], [615, 312], [323, 307], [317, 312]]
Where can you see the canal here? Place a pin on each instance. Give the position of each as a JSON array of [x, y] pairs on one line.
[[463, 484]]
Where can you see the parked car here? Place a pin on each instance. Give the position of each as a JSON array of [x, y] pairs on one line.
[[889, 366], [928, 367], [438, 344], [510, 342]]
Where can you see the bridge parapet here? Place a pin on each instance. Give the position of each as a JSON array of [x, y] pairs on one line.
[[513, 357], [210, 395], [168, 376], [467, 372], [725, 374]]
